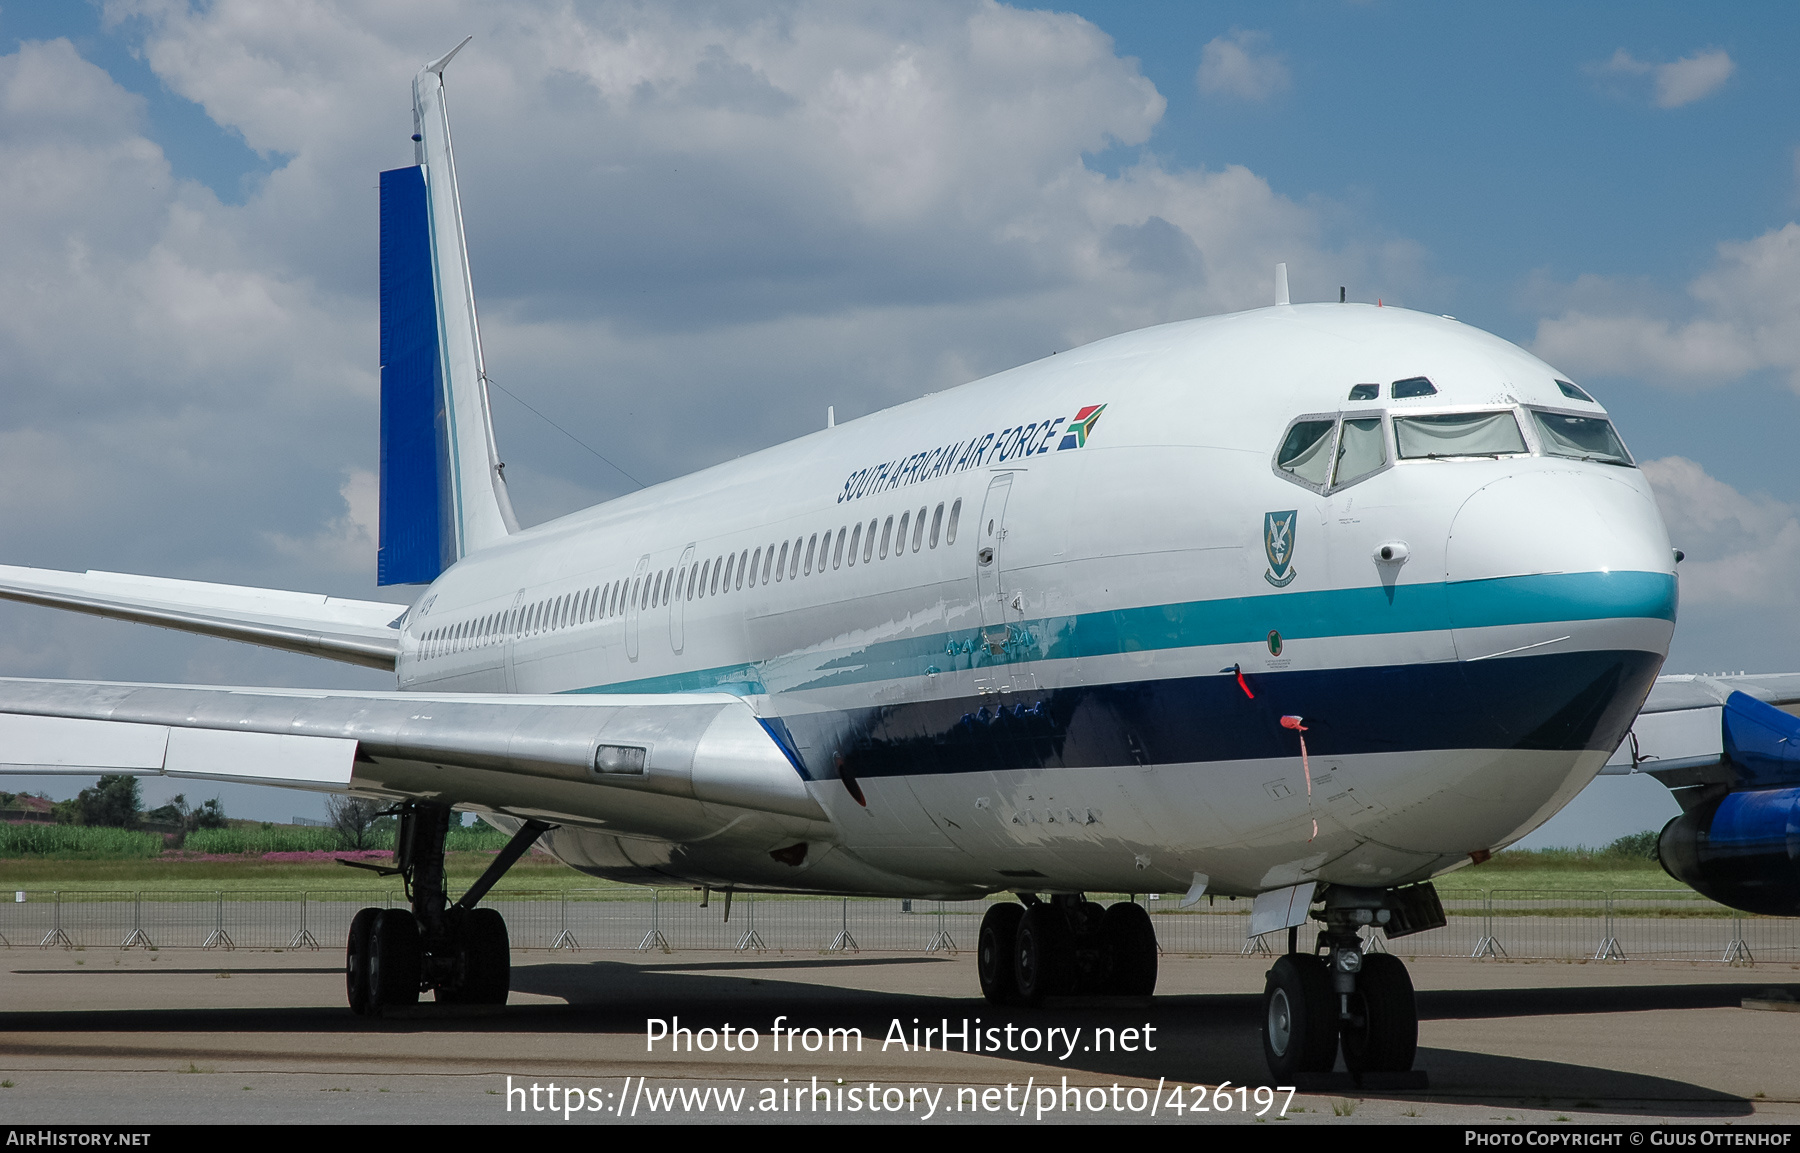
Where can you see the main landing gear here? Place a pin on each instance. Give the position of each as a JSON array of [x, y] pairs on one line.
[[457, 950], [1338, 997], [1063, 947]]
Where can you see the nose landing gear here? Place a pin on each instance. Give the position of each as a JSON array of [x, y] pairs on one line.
[[459, 951], [1339, 998]]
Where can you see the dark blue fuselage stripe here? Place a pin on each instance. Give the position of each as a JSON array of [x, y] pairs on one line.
[[1563, 702]]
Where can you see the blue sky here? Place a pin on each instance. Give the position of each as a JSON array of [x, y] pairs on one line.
[[695, 226]]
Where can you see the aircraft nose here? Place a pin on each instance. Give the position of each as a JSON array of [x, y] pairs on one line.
[[1560, 560], [1559, 522]]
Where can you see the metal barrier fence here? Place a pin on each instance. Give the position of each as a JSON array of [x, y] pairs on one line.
[[1540, 924]]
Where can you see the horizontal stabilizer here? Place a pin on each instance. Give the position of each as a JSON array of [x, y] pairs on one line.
[[357, 632]]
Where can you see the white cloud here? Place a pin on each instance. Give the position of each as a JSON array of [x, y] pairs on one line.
[[1677, 82], [1745, 318], [1234, 65], [1740, 550], [348, 541]]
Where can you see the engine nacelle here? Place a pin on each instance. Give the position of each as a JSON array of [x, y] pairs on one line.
[[1741, 850]]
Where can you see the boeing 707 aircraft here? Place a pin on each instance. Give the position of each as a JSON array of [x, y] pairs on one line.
[[1307, 604]]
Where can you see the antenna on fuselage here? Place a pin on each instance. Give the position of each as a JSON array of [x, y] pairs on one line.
[[1281, 288]]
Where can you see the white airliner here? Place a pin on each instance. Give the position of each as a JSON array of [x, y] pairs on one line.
[[1309, 604]]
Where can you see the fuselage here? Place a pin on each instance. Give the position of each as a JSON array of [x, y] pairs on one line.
[[1041, 631]]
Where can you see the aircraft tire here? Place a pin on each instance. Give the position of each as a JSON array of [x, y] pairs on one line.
[[994, 953], [1382, 1035], [486, 960], [1043, 955], [394, 961], [1299, 1030], [1130, 942], [356, 960]]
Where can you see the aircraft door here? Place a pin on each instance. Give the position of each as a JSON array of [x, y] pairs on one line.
[[990, 538], [635, 594], [510, 638], [677, 617]]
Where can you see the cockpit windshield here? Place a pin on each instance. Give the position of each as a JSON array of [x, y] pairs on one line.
[[1581, 437], [1457, 434]]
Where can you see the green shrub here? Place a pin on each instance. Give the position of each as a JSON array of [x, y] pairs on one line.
[[77, 842], [270, 839]]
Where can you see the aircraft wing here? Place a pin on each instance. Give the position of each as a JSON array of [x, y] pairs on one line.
[[357, 632], [634, 764], [1680, 735]]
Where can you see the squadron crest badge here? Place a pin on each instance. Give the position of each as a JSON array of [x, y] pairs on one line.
[[1278, 544]]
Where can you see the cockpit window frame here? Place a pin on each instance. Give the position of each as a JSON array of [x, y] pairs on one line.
[[1337, 420], [1537, 444], [1337, 428], [1518, 414]]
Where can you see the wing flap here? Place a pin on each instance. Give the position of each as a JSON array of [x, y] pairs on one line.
[[357, 632]]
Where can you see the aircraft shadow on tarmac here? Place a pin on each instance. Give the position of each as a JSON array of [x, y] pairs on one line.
[[1201, 1038]]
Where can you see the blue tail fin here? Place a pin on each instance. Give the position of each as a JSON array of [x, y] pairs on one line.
[[443, 494], [414, 547]]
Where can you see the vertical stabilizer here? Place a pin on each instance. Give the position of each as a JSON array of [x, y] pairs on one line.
[[442, 492]]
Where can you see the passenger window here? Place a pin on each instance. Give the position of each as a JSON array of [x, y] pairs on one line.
[[900, 537], [755, 563], [743, 560], [919, 530], [705, 568], [713, 589], [668, 592], [1457, 434], [1365, 391], [811, 547], [937, 521], [1574, 393], [955, 514], [794, 565], [855, 543], [1412, 386], [782, 567], [837, 553], [1306, 452], [869, 542], [1361, 450]]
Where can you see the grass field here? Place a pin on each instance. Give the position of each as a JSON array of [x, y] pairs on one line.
[[535, 871], [1547, 869]]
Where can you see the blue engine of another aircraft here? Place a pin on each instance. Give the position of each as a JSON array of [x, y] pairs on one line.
[[1742, 850]]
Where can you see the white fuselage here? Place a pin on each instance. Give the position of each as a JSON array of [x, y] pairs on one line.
[[1052, 699]]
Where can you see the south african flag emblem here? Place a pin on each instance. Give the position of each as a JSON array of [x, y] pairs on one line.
[[1079, 428]]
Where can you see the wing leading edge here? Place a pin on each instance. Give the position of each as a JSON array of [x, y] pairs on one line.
[[676, 766], [356, 632]]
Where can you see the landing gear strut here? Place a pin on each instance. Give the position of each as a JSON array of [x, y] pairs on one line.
[[457, 950], [1065, 946], [1337, 997]]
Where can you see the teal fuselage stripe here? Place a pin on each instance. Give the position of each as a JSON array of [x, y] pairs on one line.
[[1520, 600]]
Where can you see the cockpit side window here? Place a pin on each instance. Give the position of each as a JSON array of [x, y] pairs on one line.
[[1306, 451], [1580, 437], [1454, 434], [1573, 392], [1412, 386], [1365, 392], [1362, 449]]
